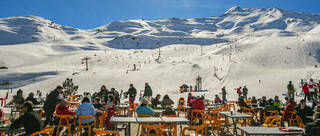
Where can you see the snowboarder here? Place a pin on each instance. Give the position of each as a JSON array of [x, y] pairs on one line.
[[290, 88], [147, 92], [245, 92]]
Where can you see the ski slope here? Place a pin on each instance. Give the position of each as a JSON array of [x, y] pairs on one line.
[[240, 47]]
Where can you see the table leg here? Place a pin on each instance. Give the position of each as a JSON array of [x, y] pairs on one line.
[[129, 129], [234, 127]]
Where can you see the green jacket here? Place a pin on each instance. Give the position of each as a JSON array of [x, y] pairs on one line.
[[290, 87], [147, 91]]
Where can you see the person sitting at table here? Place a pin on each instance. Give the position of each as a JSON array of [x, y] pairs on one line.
[[30, 120], [97, 104], [32, 99], [290, 107], [63, 109], [254, 101], [263, 101], [304, 110], [277, 101], [166, 101], [110, 105], [217, 99], [17, 99], [86, 108], [287, 101], [242, 103], [156, 101], [143, 108]]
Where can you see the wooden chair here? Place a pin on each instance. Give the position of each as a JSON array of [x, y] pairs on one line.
[[143, 115], [171, 128], [301, 125], [64, 121], [271, 113], [197, 130], [196, 116], [272, 121], [4, 99], [156, 128], [84, 123], [102, 118], [215, 114], [104, 132], [293, 118], [210, 121], [44, 131]]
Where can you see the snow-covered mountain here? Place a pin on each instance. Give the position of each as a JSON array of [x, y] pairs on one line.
[[239, 48]]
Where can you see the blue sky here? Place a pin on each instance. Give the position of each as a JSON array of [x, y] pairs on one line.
[[89, 14]]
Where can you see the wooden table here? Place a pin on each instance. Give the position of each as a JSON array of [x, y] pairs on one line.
[[235, 116], [249, 131]]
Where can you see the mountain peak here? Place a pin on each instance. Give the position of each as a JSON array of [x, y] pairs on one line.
[[234, 9]]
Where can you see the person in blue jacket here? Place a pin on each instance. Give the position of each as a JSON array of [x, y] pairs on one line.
[[144, 109], [86, 108]]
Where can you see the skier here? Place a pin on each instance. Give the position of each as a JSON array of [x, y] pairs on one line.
[[245, 92], [132, 94], [147, 92], [311, 88], [306, 91], [290, 88], [224, 94]]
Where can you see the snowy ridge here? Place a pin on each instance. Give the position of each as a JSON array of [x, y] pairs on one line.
[[239, 48]]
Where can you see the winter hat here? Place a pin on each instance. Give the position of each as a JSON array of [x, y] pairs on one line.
[[145, 101]]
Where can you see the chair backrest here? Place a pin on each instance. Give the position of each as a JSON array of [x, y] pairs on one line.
[[196, 115], [273, 121], [145, 115], [197, 129], [102, 118], [44, 131], [156, 128], [84, 120], [64, 119], [271, 113], [104, 132]]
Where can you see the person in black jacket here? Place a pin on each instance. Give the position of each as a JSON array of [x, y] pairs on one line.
[[132, 93], [303, 110], [32, 99], [30, 120], [50, 104]]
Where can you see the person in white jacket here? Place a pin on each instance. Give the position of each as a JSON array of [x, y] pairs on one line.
[[311, 85]]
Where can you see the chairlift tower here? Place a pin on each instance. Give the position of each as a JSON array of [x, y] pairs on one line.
[[86, 59]]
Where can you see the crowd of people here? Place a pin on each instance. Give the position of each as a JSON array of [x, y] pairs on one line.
[[105, 100]]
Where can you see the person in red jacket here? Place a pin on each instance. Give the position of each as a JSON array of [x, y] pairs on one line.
[[111, 109], [290, 107], [1, 114], [197, 104], [306, 91], [217, 99], [238, 91], [63, 109]]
